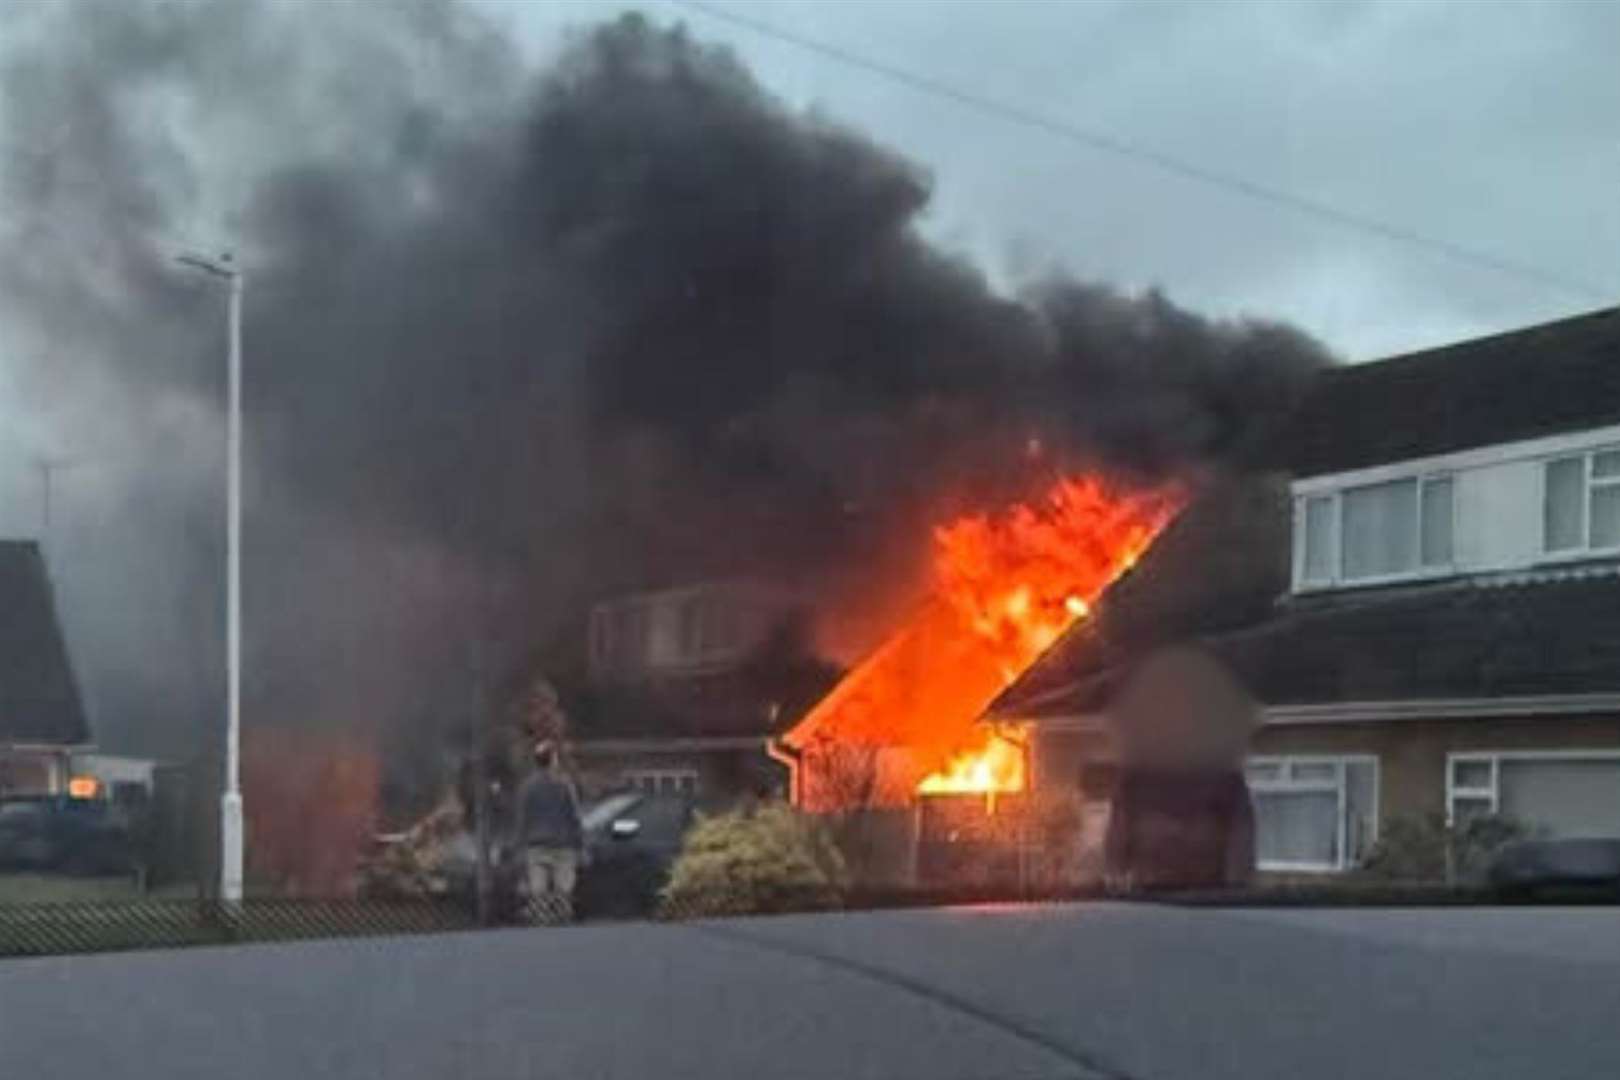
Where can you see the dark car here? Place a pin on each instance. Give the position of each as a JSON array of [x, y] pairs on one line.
[[60, 833], [1524, 866], [631, 840]]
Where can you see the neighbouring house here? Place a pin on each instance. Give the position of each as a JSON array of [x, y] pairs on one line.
[[42, 721], [1423, 605], [686, 687]]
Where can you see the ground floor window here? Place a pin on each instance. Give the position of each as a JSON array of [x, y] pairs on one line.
[[1556, 793], [31, 772], [1313, 813], [684, 781]]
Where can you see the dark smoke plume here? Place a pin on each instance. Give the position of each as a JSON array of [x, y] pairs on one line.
[[515, 338]]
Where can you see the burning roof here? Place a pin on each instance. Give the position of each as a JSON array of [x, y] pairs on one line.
[[1005, 588]]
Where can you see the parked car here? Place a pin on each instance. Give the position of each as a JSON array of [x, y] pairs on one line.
[[1524, 866], [631, 840], [64, 834]]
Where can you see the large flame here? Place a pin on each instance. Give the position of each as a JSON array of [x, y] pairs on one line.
[[996, 767], [1005, 588]]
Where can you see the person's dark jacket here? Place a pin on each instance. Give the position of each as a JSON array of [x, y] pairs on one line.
[[548, 813], [1173, 829]]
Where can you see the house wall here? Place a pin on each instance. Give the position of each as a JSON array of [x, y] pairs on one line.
[[687, 630], [1497, 496], [1412, 753], [1066, 760], [33, 770]]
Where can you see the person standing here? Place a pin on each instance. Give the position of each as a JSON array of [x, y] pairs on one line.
[[549, 835], [1181, 816]]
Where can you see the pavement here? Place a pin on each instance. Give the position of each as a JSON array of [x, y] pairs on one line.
[[983, 993]]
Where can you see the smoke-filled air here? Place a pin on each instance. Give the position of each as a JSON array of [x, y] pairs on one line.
[[519, 334]]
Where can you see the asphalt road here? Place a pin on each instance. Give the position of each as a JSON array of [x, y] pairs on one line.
[[968, 994]]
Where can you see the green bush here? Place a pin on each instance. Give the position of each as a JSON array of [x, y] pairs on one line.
[[1428, 849], [757, 860]]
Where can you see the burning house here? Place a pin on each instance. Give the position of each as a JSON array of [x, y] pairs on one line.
[[627, 318], [1420, 611], [902, 728]]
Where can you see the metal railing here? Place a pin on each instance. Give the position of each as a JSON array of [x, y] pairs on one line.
[[49, 929]]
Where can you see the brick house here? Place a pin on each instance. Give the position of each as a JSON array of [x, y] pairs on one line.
[[1423, 604]]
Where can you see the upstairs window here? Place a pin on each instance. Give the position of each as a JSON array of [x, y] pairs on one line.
[[1319, 538], [1377, 531], [1581, 508]]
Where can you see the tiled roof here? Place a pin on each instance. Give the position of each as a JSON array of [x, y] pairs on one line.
[[1560, 376], [1469, 639]]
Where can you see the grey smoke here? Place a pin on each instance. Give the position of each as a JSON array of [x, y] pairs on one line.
[[515, 337]]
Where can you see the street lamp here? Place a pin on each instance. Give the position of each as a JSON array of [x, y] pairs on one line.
[[230, 802]]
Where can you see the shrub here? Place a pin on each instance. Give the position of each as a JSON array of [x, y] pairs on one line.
[[764, 859], [1427, 849]]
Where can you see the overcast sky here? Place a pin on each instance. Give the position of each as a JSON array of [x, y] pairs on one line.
[[1493, 126]]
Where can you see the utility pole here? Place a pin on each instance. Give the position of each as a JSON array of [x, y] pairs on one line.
[[230, 803]]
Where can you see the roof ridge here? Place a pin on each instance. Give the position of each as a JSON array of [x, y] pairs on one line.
[[1498, 336]]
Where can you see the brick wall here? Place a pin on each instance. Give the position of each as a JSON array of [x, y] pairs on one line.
[[1412, 753]]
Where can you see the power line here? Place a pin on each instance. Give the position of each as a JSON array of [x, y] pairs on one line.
[[1175, 166]]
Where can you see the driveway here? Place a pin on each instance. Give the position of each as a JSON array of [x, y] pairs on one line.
[[964, 994]]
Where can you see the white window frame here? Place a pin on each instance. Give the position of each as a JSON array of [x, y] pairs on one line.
[[1585, 549], [1494, 758], [1337, 578], [1286, 784], [655, 781]]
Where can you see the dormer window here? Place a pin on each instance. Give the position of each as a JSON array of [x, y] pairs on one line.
[[1581, 504], [1376, 532]]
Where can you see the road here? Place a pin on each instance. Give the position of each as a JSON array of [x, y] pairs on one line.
[[991, 993]]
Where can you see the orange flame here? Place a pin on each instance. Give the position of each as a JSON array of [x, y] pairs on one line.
[[1005, 588], [997, 767]]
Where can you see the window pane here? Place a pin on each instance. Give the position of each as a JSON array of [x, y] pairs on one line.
[[1564, 512], [1563, 798], [1606, 515], [1437, 522], [1380, 529], [1297, 827], [1605, 464], [691, 629], [1319, 538], [1262, 772], [1361, 806], [1466, 808], [1471, 774]]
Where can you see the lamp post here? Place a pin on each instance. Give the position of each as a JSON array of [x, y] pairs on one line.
[[230, 802]]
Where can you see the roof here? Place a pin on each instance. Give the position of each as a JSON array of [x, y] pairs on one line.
[[1542, 380], [1469, 639], [1221, 564], [39, 699], [1474, 639]]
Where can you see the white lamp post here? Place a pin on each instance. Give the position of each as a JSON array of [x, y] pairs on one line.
[[230, 803]]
